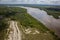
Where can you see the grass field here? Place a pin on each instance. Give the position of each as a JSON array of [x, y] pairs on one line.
[[27, 22]]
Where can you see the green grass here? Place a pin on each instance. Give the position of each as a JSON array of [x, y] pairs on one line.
[[3, 29]]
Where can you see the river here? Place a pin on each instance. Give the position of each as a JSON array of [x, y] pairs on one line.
[[48, 20]]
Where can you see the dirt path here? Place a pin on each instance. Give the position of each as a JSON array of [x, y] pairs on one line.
[[15, 33]]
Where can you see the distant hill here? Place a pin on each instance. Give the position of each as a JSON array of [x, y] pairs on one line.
[[26, 5]]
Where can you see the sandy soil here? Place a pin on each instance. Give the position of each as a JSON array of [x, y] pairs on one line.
[[15, 33]]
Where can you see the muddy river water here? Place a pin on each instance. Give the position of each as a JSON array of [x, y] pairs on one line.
[[48, 20]]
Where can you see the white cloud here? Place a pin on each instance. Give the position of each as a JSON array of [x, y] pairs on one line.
[[4, 0], [30, 2]]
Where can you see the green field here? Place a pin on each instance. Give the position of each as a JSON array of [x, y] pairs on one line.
[[26, 21]]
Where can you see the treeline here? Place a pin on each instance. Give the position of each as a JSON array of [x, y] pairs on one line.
[[9, 11], [54, 9]]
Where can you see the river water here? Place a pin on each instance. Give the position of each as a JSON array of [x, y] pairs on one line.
[[48, 20]]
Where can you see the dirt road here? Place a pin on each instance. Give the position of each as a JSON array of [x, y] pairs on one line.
[[15, 33]]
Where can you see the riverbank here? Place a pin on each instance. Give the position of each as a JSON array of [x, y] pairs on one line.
[[32, 29], [42, 16]]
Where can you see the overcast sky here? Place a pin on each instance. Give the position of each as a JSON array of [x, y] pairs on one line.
[[55, 2]]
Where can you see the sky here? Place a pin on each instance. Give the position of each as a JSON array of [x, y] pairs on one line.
[[49, 2]]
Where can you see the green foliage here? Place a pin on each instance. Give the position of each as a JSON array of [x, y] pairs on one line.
[[3, 25]]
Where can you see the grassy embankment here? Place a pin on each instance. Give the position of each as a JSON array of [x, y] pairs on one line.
[[21, 15]]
